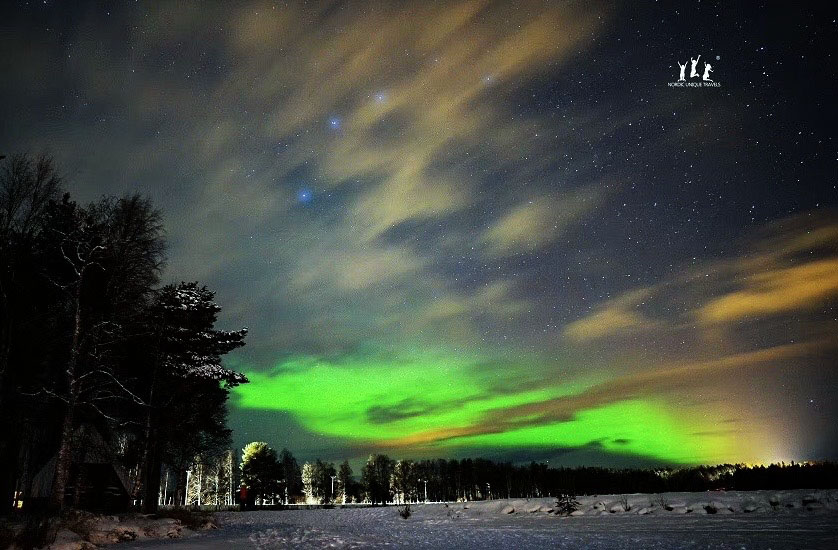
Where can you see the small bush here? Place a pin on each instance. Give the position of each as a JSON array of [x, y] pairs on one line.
[[566, 504], [662, 502], [624, 501], [404, 511]]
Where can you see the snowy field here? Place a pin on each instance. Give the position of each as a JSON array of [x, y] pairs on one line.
[[796, 519]]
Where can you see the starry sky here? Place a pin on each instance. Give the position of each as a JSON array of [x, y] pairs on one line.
[[475, 228]]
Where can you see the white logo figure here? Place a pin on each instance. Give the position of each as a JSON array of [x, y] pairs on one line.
[[682, 78], [693, 72], [708, 68]]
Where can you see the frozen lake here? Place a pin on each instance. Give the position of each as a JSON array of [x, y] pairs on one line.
[[487, 526]]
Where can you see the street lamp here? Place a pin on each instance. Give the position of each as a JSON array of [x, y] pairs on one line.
[[426, 489], [333, 486]]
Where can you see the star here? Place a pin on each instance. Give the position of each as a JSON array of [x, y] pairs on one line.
[[305, 195]]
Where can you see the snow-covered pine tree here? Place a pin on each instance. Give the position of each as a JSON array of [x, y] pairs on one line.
[[187, 364], [190, 345]]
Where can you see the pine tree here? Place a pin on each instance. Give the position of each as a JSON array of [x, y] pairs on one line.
[[566, 504], [186, 363]]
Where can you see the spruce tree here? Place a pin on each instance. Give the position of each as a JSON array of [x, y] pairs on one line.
[[188, 385]]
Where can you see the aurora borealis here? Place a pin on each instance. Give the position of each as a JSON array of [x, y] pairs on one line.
[[475, 228]]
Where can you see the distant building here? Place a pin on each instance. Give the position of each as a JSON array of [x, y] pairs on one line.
[[96, 482]]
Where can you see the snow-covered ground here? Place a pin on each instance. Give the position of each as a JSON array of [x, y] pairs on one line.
[[737, 520]]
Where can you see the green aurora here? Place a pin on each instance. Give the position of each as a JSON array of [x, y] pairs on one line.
[[353, 401]]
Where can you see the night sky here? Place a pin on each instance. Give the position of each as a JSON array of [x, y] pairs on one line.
[[475, 229]]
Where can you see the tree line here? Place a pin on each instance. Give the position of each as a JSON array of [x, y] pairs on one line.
[[94, 350], [384, 480]]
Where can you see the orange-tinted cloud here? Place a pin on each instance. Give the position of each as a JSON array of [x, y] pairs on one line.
[[617, 316], [791, 266], [776, 291]]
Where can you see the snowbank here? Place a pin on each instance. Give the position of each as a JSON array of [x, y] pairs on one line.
[[86, 531], [761, 519]]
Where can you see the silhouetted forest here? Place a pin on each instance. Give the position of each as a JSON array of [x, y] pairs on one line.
[[105, 375], [384, 480], [474, 479]]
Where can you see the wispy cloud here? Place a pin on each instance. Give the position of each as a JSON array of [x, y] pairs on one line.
[[539, 222], [776, 291], [618, 316], [790, 267]]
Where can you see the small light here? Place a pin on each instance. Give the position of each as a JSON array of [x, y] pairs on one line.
[[305, 195]]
